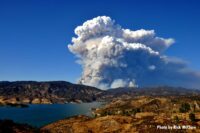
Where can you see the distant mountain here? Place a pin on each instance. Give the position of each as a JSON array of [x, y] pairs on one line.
[[149, 91], [23, 92], [46, 92]]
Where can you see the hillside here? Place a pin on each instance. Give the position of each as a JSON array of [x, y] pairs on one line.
[[8, 126], [141, 114], [32, 92], [46, 92], [148, 91]]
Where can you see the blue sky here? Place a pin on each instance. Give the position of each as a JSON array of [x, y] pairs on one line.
[[34, 34]]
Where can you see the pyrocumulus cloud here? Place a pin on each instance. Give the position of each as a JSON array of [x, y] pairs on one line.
[[114, 57]]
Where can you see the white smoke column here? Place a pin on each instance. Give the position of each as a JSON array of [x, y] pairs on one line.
[[114, 57]]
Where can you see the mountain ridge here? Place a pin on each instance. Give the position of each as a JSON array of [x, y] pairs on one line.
[[47, 92]]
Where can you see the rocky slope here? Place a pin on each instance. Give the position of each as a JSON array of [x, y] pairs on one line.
[[45, 92], [24, 92], [142, 114]]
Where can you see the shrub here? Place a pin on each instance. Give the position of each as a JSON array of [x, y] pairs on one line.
[[136, 110], [125, 112], [176, 119], [185, 107], [192, 117]]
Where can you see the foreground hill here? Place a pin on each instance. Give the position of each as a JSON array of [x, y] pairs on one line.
[[141, 114], [46, 92], [8, 126]]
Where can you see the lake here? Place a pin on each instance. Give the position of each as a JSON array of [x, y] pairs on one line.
[[39, 115]]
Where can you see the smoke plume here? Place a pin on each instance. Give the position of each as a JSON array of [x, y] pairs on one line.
[[113, 57]]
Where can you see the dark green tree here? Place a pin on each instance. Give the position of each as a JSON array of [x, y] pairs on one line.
[[192, 117], [176, 119], [185, 107]]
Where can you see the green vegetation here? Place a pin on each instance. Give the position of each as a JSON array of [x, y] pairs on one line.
[[125, 112], [194, 107], [105, 113], [192, 117], [185, 107], [176, 119]]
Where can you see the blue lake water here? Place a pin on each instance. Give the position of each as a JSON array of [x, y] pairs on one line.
[[41, 114]]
